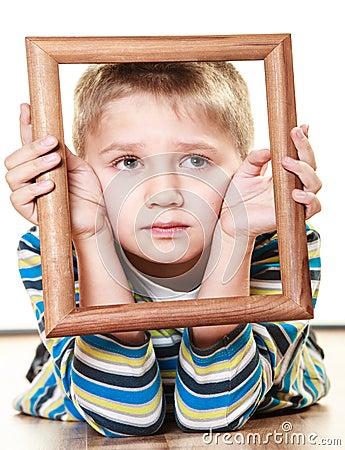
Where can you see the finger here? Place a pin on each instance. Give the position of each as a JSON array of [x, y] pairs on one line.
[[255, 163], [20, 175], [303, 147], [309, 200], [30, 152], [305, 173], [305, 129], [25, 124], [24, 199], [264, 169]]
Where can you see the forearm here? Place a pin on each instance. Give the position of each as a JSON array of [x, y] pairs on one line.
[[227, 275], [101, 277], [117, 386], [219, 387]]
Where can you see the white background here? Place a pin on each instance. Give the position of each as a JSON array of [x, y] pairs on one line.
[[319, 81]]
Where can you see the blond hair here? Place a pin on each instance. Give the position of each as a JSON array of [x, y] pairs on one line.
[[215, 88]]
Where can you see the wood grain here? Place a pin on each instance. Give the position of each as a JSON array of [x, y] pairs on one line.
[[150, 315], [53, 209], [44, 54], [99, 49], [290, 216]]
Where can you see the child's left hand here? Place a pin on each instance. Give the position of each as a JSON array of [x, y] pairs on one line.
[[250, 193]]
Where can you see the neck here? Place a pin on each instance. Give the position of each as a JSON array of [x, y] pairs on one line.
[[182, 276]]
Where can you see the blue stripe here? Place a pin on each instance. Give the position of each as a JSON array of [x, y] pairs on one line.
[[111, 393], [112, 345], [124, 381], [168, 364]]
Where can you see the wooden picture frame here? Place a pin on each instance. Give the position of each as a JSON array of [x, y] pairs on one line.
[[62, 317]]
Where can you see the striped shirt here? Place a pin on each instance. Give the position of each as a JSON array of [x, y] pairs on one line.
[[124, 389]]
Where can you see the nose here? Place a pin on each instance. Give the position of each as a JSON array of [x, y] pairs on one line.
[[163, 191]]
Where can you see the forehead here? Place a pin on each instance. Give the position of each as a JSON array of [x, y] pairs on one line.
[[147, 126], [149, 112]]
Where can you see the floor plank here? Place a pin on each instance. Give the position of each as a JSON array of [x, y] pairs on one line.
[[323, 424]]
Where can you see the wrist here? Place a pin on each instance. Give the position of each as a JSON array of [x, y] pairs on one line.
[[227, 275], [101, 276], [104, 234], [228, 268]]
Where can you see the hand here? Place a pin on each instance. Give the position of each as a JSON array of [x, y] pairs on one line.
[[305, 169], [35, 158], [249, 206]]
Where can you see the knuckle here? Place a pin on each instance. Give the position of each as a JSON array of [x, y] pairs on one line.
[[314, 206], [319, 186], [318, 205], [7, 162], [9, 178], [13, 199], [35, 149], [32, 191], [37, 162]]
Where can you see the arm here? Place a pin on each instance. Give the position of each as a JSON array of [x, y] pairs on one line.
[[237, 366], [100, 271], [115, 386], [91, 237], [255, 366], [238, 284], [128, 372], [248, 211]]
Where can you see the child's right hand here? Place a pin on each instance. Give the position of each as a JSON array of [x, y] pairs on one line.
[[37, 157]]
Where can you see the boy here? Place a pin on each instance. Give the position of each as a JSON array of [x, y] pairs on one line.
[[163, 170]]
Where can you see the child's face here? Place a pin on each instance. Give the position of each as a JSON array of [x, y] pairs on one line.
[[163, 175]]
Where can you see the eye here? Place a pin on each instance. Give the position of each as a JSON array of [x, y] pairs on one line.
[[194, 162], [128, 163]]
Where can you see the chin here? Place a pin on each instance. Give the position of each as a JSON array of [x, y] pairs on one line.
[[164, 265]]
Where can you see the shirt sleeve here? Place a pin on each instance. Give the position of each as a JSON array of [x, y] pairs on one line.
[[257, 367], [113, 385]]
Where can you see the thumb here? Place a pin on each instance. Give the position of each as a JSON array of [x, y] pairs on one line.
[[73, 161], [25, 124], [255, 163]]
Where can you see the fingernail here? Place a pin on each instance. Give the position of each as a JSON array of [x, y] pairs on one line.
[[306, 126], [50, 157], [45, 183], [48, 141], [301, 195], [289, 161]]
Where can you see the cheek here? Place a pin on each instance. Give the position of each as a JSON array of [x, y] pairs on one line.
[[209, 190], [207, 204], [215, 201], [122, 209], [204, 206]]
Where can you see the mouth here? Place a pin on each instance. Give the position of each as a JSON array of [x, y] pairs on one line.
[[167, 230]]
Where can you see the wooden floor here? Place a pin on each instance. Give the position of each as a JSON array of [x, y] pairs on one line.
[[322, 425]]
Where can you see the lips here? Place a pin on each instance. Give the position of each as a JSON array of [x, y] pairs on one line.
[[167, 229]]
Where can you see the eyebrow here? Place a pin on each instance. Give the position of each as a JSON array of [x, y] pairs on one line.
[[122, 147], [183, 147], [189, 147]]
